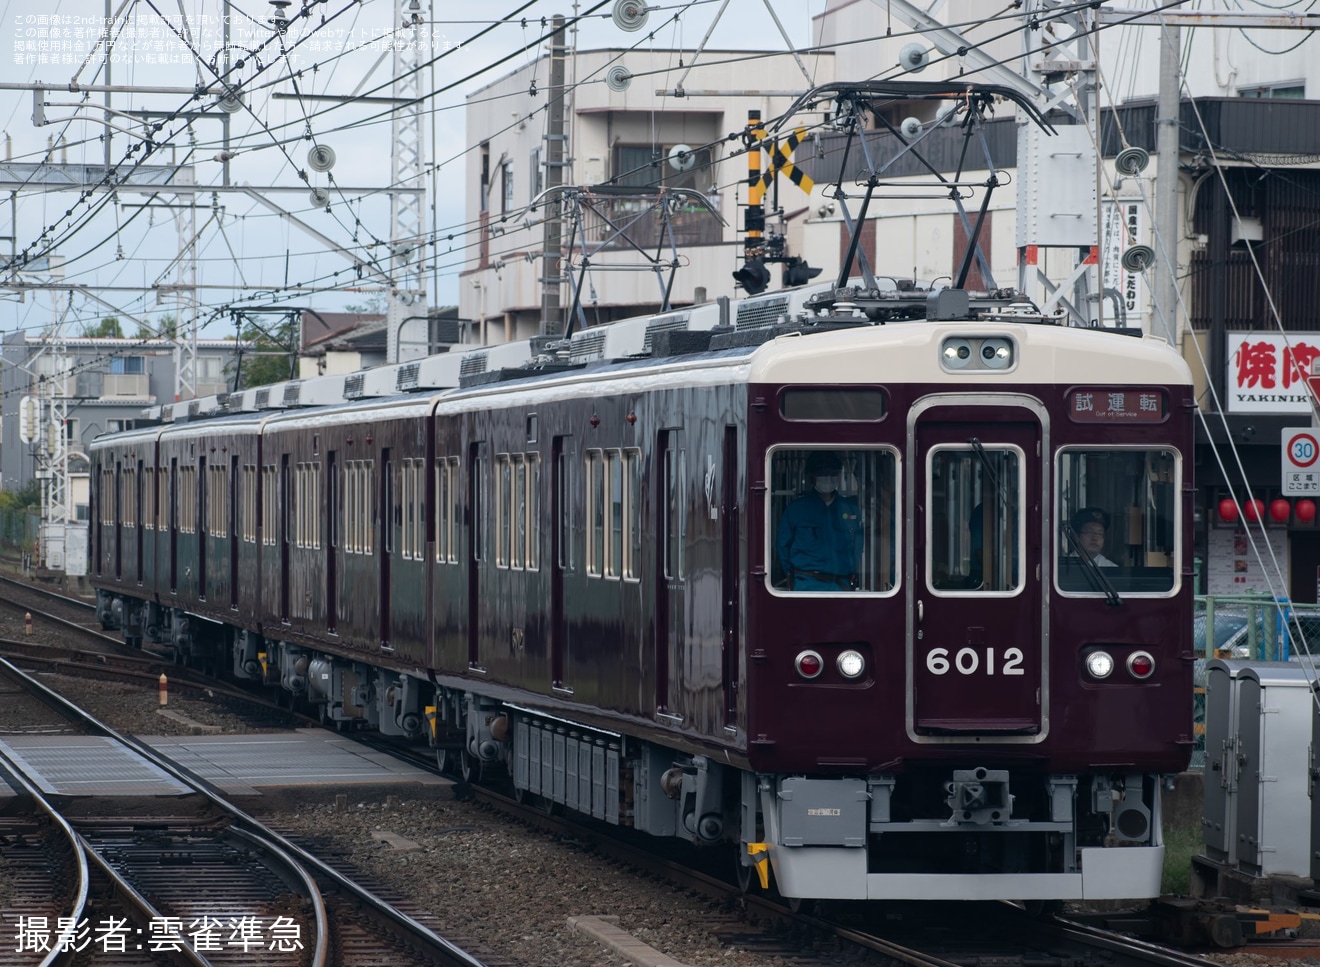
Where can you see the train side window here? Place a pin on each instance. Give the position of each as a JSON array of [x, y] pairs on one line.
[[518, 514], [249, 497], [614, 554], [503, 516], [533, 525], [1120, 508], [832, 526], [974, 522], [269, 498], [632, 562], [446, 510], [675, 509]]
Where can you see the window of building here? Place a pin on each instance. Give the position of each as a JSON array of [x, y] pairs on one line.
[[127, 365], [536, 180], [833, 520], [1291, 91], [647, 166], [506, 184]]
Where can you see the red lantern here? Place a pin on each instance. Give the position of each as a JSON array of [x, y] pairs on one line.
[[1280, 510], [1254, 510], [1305, 511], [1228, 511]]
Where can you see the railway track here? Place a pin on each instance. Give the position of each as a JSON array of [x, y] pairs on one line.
[[204, 882], [762, 923]]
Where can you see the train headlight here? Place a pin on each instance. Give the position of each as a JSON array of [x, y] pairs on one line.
[[996, 353], [851, 664], [1140, 664], [1099, 664], [957, 353], [809, 664]]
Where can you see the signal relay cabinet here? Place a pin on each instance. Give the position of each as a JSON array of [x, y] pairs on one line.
[[1312, 774], [1258, 727]]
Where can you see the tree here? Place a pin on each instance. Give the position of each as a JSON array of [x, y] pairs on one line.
[[169, 326], [107, 328], [273, 342], [376, 305]]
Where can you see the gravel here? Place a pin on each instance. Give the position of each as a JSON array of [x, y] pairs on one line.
[[489, 883]]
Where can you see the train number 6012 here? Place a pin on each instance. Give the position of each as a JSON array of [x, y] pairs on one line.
[[968, 661]]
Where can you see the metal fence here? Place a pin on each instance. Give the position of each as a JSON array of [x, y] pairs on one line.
[[1254, 626]]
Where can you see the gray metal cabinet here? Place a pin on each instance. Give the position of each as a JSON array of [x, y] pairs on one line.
[[1222, 760], [1274, 731]]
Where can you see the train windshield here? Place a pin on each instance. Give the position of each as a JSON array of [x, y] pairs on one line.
[[1117, 507], [975, 518], [832, 520]]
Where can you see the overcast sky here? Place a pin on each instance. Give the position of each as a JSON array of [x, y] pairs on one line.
[[129, 241]]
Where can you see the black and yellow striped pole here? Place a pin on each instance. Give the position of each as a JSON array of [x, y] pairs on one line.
[[754, 276], [754, 221]]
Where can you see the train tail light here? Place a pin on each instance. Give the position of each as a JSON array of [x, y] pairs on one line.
[[1099, 664], [1140, 664], [809, 664]]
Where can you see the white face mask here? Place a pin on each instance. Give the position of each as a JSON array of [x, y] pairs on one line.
[[827, 485]]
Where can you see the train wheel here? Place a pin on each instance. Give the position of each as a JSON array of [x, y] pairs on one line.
[[442, 763], [520, 795], [550, 807], [467, 767]]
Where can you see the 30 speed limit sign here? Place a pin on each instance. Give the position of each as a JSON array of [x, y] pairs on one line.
[[1301, 461]]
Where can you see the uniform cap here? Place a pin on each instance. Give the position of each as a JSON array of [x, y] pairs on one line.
[[823, 463], [1090, 515]]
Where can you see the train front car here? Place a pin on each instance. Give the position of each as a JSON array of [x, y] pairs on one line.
[[969, 614]]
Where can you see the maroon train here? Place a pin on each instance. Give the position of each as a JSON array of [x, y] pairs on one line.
[[572, 570]]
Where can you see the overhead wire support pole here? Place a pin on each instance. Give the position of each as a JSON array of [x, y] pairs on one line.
[[1167, 144], [407, 214], [552, 242]]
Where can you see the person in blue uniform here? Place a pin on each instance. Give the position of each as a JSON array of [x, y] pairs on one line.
[[820, 533]]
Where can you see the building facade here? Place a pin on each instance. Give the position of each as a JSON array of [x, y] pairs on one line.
[[105, 384]]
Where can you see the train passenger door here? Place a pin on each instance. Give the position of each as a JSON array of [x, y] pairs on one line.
[[671, 567], [730, 569], [332, 542], [561, 555], [235, 481], [119, 520], [285, 514], [386, 543], [174, 524], [976, 647], [203, 505], [476, 519], [138, 522]]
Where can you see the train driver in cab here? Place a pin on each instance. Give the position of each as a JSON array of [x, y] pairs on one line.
[[1091, 525], [820, 533]]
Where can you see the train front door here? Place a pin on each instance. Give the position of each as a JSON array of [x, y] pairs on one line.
[[976, 656]]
